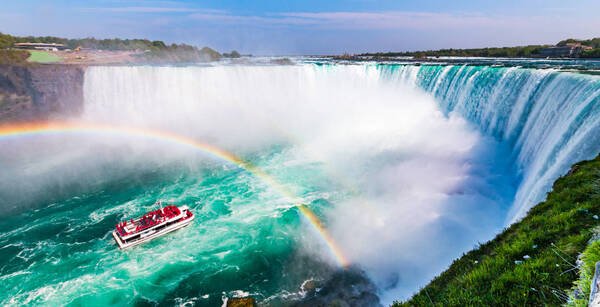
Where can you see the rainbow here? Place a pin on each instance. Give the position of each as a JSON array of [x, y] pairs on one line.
[[46, 128]]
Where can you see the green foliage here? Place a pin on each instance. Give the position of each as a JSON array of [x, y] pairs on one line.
[[210, 52], [581, 291], [8, 56], [521, 51], [594, 53], [182, 53], [594, 42], [524, 51], [531, 263], [7, 41], [233, 54], [154, 50], [159, 44]]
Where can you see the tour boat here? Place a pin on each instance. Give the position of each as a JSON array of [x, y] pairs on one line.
[[152, 225]]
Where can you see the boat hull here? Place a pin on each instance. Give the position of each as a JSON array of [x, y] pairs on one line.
[[151, 236]]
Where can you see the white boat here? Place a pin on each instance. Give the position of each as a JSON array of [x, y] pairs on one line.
[[152, 225]]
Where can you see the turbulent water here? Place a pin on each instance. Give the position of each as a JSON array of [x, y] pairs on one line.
[[550, 119], [407, 166]]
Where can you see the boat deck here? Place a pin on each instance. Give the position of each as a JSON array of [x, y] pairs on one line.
[[151, 225]]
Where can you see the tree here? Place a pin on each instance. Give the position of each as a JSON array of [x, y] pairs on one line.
[[232, 54]]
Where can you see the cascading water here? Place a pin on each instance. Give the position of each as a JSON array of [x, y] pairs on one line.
[[389, 156], [551, 119]]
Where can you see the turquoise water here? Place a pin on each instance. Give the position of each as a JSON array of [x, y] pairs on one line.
[[244, 239], [407, 167], [550, 118], [583, 65]]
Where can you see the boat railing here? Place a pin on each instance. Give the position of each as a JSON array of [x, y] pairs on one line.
[[153, 220]]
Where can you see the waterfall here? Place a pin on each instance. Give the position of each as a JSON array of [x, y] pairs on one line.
[[406, 166], [550, 118], [443, 156]]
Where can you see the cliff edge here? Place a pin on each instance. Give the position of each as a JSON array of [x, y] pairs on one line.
[[40, 92]]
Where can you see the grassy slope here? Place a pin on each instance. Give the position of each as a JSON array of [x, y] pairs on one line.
[[552, 234], [590, 256], [42, 57]]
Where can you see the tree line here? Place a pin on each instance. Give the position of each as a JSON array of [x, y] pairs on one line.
[[153, 50], [501, 52]]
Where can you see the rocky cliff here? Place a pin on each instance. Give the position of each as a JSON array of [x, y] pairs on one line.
[[40, 92]]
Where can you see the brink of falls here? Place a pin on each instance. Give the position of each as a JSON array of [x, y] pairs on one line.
[[406, 166]]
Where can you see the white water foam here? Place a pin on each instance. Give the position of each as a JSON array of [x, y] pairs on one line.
[[416, 179]]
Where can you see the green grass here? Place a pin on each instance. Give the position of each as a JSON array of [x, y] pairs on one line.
[[533, 262], [581, 291], [42, 57]]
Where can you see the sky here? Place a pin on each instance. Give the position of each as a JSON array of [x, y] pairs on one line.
[[310, 27]]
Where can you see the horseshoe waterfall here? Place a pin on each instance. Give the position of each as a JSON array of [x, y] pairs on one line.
[[402, 168]]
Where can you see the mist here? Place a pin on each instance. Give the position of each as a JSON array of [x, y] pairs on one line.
[[402, 188], [419, 187]]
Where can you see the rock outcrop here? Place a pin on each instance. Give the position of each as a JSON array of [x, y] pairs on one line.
[[40, 92], [241, 302], [594, 287]]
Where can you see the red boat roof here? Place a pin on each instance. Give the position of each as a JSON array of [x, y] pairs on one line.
[[150, 220]]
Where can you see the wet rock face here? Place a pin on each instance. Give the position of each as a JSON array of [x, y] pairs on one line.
[[349, 287], [40, 92]]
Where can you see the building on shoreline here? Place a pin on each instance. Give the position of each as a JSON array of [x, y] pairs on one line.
[[40, 46], [568, 50]]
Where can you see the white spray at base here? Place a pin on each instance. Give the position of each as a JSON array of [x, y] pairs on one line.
[[430, 186], [550, 118]]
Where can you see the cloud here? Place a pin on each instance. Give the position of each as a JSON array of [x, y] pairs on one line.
[[252, 19], [308, 32], [560, 9], [149, 9], [391, 20]]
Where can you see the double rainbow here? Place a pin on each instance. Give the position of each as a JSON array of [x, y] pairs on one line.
[[29, 129]]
